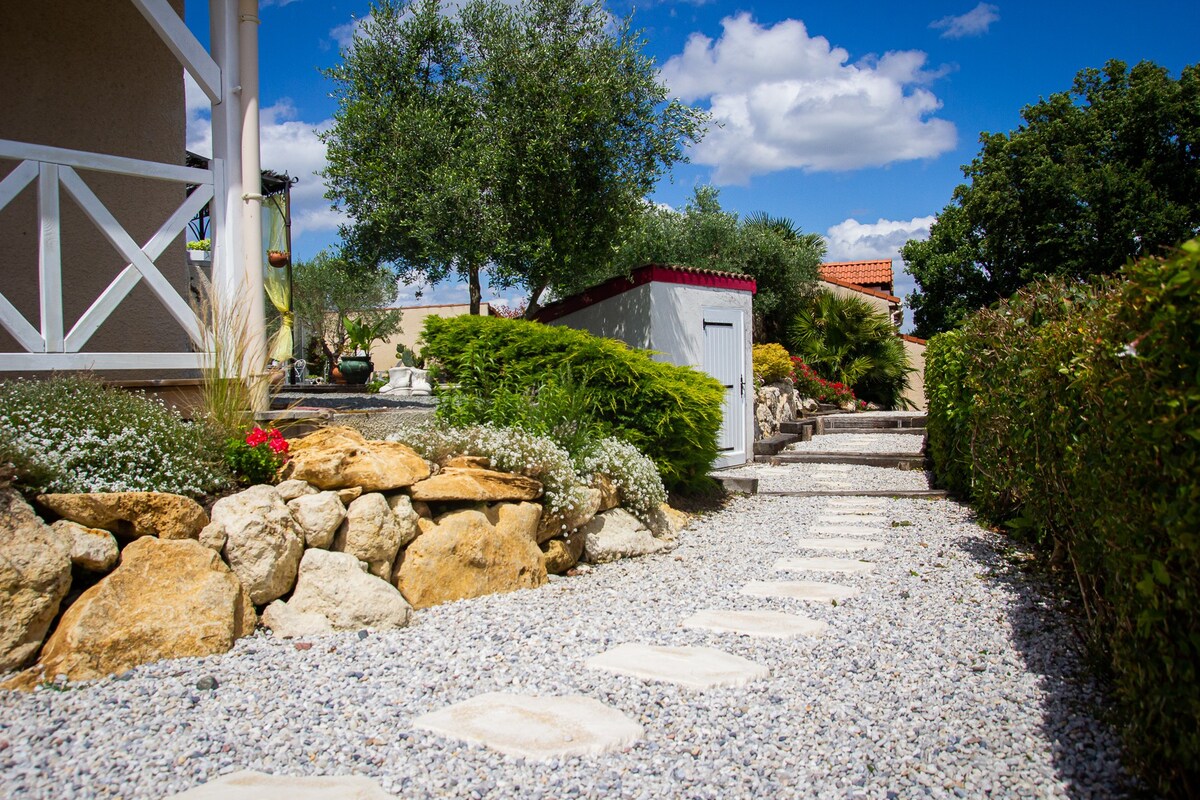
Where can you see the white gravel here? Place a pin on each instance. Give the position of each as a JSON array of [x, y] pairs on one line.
[[952, 675], [811, 477], [837, 442]]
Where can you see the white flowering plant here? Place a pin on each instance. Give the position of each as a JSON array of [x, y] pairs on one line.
[[76, 434], [630, 471]]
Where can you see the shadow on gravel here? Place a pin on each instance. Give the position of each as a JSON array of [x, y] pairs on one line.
[[1046, 630]]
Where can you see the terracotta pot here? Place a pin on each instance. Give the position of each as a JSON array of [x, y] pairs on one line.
[[277, 258], [336, 375]]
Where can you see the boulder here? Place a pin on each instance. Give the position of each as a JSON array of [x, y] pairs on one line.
[[667, 522], [340, 458], [557, 524], [318, 517], [468, 462], [475, 485], [774, 404], [471, 553], [560, 555], [372, 534], [35, 574], [610, 495], [287, 623], [167, 599], [92, 549], [406, 517], [262, 544], [290, 490], [617, 534], [337, 587], [348, 496], [131, 514]]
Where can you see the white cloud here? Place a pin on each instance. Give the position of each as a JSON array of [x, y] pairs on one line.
[[784, 99], [973, 23], [851, 240], [344, 34]]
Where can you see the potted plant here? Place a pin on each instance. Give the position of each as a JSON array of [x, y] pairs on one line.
[[200, 251], [360, 335], [278, 258]]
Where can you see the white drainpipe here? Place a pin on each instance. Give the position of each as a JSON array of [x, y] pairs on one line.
[[252, 244]]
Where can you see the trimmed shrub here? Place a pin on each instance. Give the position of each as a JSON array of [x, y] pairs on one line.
[[771, 363], [1072, 414], [670, 413], [74, 434]]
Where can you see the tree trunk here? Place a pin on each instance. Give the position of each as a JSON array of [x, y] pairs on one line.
[[476, 290], [533, 307]]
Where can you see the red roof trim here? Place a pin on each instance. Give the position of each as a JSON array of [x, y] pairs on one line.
[[651, 273], [914, 339], [863, 289]]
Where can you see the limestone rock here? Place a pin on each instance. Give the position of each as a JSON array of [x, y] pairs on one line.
[[667, 522], [348, 496], [469, 462], [340, 458], [562, 554], [318, 517], [167, 599], [471, 553], [774, 404], [131, 514], [336, 587], [557, 524], [262, 544], [92, 549], [422, 509], [478, 485], [617, 534], [287, 623], [610, 495], [213, 537], [371, 533], [35, 574], [406, 517], [290, 490]]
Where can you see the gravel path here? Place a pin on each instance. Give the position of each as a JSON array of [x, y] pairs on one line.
[[350, 401], [952, 675], [808, 477], [860, 443]]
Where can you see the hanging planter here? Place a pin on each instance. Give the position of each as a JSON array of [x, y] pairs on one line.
[[277, 258]]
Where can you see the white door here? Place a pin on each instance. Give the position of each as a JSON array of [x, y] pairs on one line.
[[724, 359]]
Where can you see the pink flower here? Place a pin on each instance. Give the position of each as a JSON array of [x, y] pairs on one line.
[[278, 444]]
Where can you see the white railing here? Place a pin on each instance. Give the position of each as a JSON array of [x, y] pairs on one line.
[[50, 347]]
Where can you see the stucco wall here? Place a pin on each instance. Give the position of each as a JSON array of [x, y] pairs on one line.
[[915, 393], [412, 322], [625, 316], [92, 76]]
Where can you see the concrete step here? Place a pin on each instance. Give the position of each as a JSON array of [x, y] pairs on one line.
[[920, 494], [774, 444], [862, 422], [892, 460]]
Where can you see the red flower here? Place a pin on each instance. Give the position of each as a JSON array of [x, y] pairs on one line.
[[278, 444], [256, 437]]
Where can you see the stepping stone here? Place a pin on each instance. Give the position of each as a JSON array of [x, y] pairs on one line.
[[823, 484], [847, 530], [694, 667], [800, 590], [823, 564], [870, 504], [852, 519], [775, 624], [250, 785], [535, 727], [837, 544], [833, 468]]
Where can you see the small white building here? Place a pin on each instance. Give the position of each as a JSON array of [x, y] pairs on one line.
[[691, 317]]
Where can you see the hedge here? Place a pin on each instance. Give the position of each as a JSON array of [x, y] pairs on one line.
[[1071, 413], [670, 413]]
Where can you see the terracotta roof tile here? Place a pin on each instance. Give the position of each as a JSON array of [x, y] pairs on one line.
[[860, 272], [862, 289]]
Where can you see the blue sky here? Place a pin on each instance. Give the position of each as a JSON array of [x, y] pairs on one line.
[[850, 118]]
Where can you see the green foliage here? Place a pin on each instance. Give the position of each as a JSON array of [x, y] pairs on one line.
[[329, 289], [1070, 412], [75, 434], [771, 363], [200, 244], [516, 138], [670, 413], [782, 260], [252, 464], [809, 384], [363, 331], [634, 474], [846, 340], [1107, 172]]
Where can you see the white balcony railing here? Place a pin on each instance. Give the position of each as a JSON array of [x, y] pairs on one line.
[[49, 346]]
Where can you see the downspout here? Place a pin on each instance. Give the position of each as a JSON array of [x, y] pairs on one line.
[[252, 244]]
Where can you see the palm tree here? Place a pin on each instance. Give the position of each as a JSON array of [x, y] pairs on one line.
[[844, 339]]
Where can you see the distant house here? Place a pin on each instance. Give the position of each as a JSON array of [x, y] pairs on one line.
[[691, 317], [872, 281], [412, 322]]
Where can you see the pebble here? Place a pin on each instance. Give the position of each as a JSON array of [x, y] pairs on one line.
[[870, 709]]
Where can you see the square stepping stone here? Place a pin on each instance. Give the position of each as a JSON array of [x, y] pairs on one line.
[[824, 564], [856, 505], [836, 544], [694, 667], [534, 727], [775, 624], [250, 785], [801, 590], [853, 519], [846, 530]]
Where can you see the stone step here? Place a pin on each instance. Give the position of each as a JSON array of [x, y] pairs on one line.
[[908, 461], [823, 564], [835, 544], [692, 667], [899, 494], [812, 591], [856, 422], [774, 624], [771, 445], [804, 428]]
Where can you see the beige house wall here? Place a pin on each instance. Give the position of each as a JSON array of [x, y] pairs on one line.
[[412, 322], [92, 76], [915, 393]]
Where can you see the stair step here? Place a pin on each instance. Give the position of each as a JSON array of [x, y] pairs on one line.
[[771, 445], [856, 422], [804, 428], [914, 461]]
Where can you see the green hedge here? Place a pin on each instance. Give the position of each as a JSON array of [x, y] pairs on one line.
[[1072, 414], [670, 413]]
